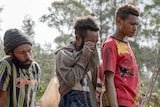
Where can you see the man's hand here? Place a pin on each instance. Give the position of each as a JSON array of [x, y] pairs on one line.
[[110, 89], [3, 98], [88, 48]]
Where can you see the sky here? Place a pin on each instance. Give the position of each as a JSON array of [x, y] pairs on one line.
[[14, 12]]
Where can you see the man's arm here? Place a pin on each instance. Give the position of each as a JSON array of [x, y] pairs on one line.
[[73, 69], [3, 98], [110, 89], [94, 72]]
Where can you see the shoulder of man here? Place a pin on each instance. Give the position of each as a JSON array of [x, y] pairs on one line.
[[6, 61], [36, 66]]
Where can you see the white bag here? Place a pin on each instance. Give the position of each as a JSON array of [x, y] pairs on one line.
[[51, 96]]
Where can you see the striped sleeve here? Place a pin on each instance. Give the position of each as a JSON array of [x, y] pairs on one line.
[[37, 75], [5, 74]]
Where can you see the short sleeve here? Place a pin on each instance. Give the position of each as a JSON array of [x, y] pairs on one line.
[[5, 75], [37, 75], [109, 57]]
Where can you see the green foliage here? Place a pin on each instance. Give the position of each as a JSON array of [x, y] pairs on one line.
[[28, 27], [41, 90], [157, 2], [155, 99], [145, 44], [2, 54], [62, 15], [46, 60], [1, 9], [44, 56], [63, 40]]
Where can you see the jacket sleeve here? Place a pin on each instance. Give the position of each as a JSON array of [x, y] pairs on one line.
[[70, 69], [94, 76]]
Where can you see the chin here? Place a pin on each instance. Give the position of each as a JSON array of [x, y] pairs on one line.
[[131, 35], [27, 63]]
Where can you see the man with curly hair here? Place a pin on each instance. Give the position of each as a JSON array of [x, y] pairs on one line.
[[76, 66]]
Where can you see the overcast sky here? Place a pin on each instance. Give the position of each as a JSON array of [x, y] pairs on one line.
[[14, 12]]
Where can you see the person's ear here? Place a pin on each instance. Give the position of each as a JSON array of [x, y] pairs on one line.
[[78, 38], [118, 21], [10, 53]]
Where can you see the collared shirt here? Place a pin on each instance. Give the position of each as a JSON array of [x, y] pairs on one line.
[[20, 84]]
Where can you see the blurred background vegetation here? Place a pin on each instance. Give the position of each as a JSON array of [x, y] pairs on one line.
[[61, 16]]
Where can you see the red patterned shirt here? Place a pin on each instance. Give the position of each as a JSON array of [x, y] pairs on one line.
[[118, 58]]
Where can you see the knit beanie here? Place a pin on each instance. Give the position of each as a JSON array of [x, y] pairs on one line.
[[13, 38]]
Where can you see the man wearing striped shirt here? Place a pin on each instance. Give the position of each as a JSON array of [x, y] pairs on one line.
[[19, 74]]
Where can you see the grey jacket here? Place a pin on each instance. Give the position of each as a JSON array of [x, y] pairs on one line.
[[71, 66]]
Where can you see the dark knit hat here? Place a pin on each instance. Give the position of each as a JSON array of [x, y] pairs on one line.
[[13, 38]]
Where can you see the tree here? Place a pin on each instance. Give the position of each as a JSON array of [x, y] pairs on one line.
[[44, 57], [61, 16], [2, 54], [1, 42], [1, 9], [151, 31], [28, 27], [145, 43]]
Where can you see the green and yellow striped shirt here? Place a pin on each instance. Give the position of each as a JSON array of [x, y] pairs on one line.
[[20, 84]]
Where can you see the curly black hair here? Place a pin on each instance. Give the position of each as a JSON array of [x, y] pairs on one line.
[[85, 23], [126, 9]]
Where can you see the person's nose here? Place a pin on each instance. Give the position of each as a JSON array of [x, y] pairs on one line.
[[135, 28], [28, 56]]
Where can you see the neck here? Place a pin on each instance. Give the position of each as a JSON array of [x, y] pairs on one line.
[[119, 35], [77, 46]]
